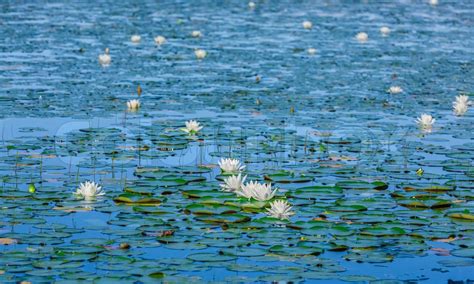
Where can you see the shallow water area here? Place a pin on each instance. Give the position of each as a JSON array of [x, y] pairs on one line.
[[375, 198]]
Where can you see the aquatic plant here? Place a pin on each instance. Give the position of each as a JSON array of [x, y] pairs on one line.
[[307, 25], [89, 190], [200, 53], [159, 40], [135, 38], [233, 183], [257, 191], [133, 105], [362, 37], [280, 209], [425, 121], [229, 165], [192, 127], [105, 59]]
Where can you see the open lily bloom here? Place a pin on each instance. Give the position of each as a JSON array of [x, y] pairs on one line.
[[159, 40], [231, 165], [362, 37], [89, 190], [385, 31], [257, 191], [264, 192], [395, 90], [307, 25], [233, 183], [200, 53], [196, 34], [135, 38], [133, 105], [246, 190], [462, 99], [425, 121], [192, 127], [460, 108], [105, 59], [280, 209]]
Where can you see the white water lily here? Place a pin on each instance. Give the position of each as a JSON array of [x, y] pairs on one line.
[[233, 183], [135, 38], [362, 37], [434, 2], [89, 190], [105, 59], [263, 192], [385, 31], [312, 51], [307, 25], [462, 99], [133, 104], [246, 190], [200, 53], [192, 127], [251, 5], [425, 121], [257, 191], [280, 209], [159, 40], [395, 90], [196, 34], [230, 165], [460, 107]]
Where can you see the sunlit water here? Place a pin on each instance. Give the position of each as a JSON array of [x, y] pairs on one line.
[[311, 120]]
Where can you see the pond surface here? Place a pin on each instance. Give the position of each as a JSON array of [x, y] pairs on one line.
[[375, 198]]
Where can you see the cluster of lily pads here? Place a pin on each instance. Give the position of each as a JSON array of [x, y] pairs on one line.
[[252, 190], [89, 190], [263, 192]]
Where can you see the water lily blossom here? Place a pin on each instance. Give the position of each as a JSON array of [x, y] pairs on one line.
[[307, 25], [135, 38], [257, 191], [105, 59], [133, 104], [230, 165], [233, 183], [385, 31], [460, 105], [425, 121], [433, 2], [192, 127], [459, 108], [362, 37], [89, 190], [159, 40], [264, 192], [251, 4], [463, 99], [311, 51], [200, 53], [196, 34], [246, 190], [395, 90], [280, 209]]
